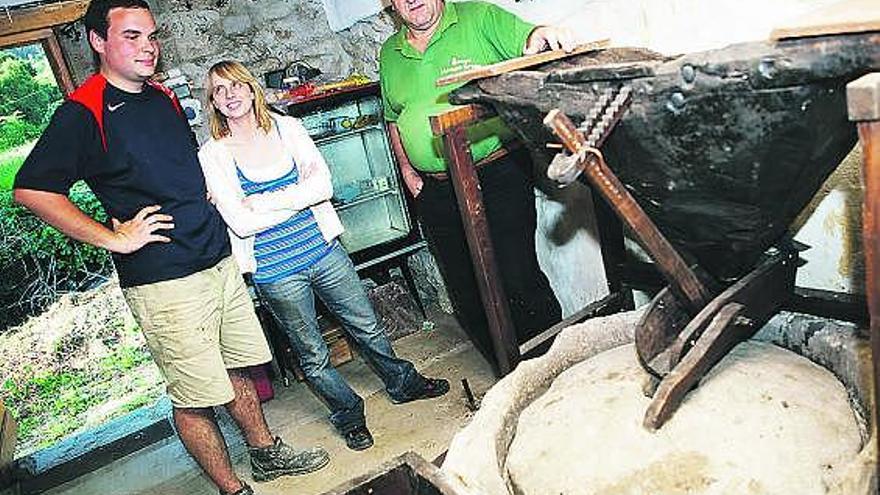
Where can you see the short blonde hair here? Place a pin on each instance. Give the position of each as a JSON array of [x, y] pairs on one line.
[[234, 71]]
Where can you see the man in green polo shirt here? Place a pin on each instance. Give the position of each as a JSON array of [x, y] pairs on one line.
[[439, 38]]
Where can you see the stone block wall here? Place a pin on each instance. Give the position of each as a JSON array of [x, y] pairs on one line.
[[263, 34]]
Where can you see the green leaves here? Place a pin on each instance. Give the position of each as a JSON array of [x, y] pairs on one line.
[[15, 131], [9, 165], [30, 95], [38, 263]]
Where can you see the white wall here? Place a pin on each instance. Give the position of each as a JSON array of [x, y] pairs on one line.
[[668, 26]]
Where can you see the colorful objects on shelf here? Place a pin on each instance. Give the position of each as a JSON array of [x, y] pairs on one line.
[[309, 90]]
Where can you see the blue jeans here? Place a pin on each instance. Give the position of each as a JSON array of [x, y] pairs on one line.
[[334, 280]]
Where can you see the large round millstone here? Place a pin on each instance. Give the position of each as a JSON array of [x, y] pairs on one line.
[[764, 421]]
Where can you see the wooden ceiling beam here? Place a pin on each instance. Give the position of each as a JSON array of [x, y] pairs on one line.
[[25, 37], [20, 20]]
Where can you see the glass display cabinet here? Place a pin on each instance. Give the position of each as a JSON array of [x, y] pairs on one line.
[[349, 130]]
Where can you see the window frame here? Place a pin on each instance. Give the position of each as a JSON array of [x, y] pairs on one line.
[[38, 24]]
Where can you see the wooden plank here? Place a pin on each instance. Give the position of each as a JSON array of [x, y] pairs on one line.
[[519, 63], [762, 291], [25, 37], [55, 55], [718, 328], [720, 337], [462, 115], [848, 16], [466, 184], [863, 98], [686, 283], [42, 16], [869, 138], [8, 435], [657, 330]]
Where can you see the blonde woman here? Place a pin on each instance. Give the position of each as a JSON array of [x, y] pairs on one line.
[[273, 189]]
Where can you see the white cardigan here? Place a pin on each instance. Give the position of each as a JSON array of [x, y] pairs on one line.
[[313, 190]]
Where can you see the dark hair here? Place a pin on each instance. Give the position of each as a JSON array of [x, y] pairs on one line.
[[96, 15], [96, 19]]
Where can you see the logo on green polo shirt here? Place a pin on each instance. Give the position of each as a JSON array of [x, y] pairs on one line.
[[457, 65]]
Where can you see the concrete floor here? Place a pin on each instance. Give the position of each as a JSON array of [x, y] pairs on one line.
[[425, 427]]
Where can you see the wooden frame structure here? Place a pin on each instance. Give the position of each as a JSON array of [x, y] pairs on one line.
[[450, 126], [863, 101], [864, 108]]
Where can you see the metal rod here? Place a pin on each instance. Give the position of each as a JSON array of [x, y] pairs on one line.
[[469, 395], [612, 301], [682, 279]]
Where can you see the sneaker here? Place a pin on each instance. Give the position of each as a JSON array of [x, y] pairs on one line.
[[431, 388], [359, 438], [244, 490], [279, 459]]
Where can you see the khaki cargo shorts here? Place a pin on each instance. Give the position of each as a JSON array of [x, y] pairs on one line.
[[197, 327]]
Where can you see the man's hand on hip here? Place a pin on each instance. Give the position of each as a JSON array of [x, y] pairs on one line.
[[549, 38], [140, 230]]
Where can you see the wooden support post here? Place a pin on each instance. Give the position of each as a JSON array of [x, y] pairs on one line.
[[55, 55], [451, 127], [863, 99]]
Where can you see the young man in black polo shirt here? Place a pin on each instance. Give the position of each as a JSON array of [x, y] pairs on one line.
[[127, 138]]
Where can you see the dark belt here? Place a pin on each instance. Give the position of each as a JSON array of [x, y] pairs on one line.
[[491, 158]]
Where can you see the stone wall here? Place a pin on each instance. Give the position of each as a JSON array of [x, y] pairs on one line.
[[263, 34], [266, 35]]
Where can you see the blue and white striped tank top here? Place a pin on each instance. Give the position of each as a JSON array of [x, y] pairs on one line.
[[292, 245]]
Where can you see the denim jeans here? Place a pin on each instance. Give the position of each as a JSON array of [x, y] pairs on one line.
[[334, 280]]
